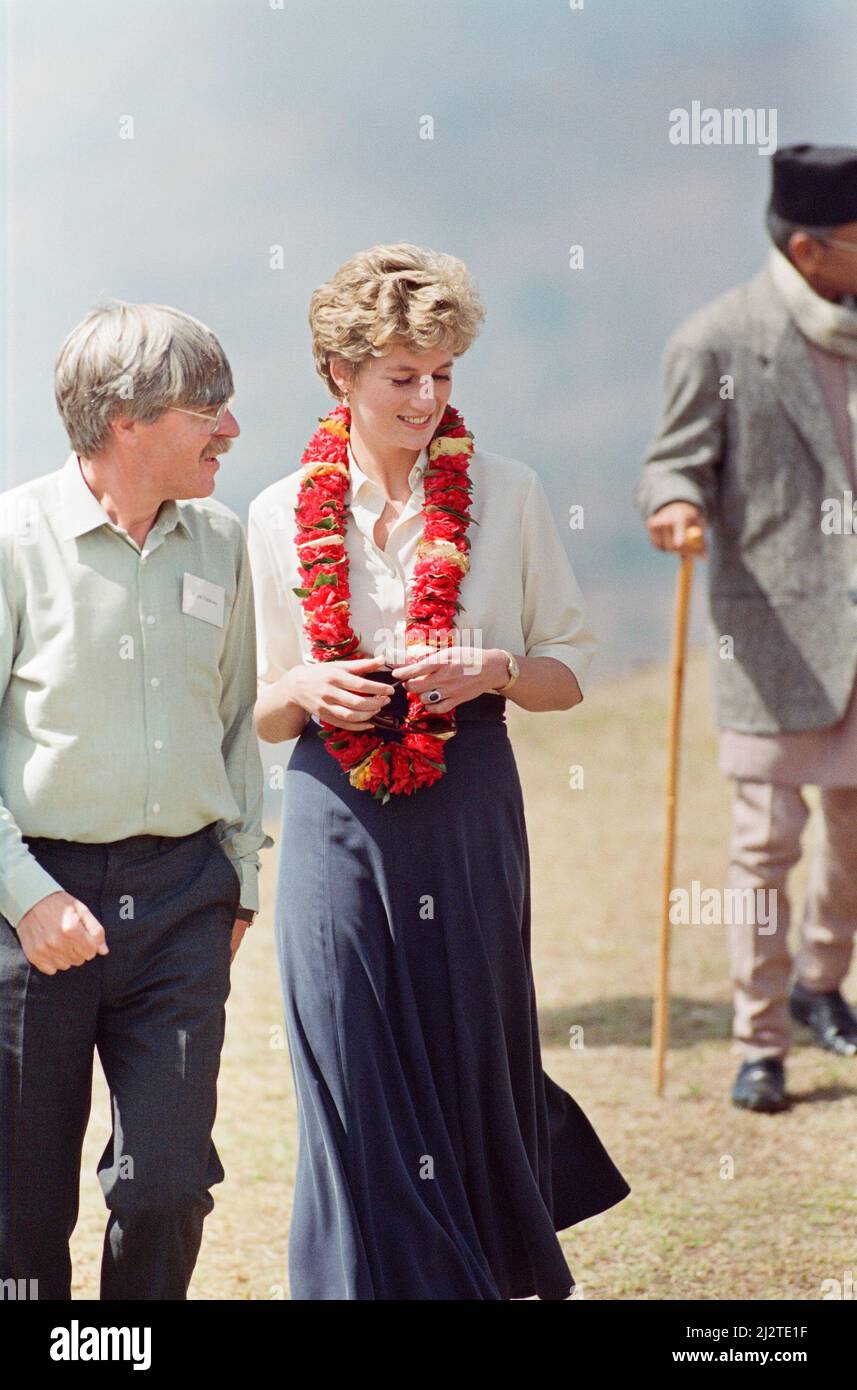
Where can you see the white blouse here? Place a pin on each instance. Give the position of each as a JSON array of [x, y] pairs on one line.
[[520, 592]]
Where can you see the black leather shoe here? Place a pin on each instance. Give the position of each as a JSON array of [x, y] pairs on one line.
[[761, 1085], [829, 1017]]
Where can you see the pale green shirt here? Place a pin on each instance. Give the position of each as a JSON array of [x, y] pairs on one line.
[[122, 711]]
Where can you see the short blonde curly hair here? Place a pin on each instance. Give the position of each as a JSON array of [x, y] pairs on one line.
[[426, 298]]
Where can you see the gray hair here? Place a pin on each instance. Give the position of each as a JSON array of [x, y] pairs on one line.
[[780, 229], [135, 360]]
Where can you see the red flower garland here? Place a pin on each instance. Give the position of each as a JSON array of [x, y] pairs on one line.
[[416, 760]]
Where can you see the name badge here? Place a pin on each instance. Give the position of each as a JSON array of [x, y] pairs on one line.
[[202, 599]]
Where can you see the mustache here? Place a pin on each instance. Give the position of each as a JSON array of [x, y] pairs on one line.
[[222, 448]]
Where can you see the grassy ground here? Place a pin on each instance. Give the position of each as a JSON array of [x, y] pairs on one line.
[[724, 1204]]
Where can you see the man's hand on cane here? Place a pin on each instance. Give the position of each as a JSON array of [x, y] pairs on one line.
[[668, 526]]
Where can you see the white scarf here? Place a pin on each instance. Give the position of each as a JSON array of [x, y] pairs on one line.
[[830, 325], [833, 326]]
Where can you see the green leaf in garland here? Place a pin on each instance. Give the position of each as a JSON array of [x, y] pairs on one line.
[[454, 486], [436, 507]]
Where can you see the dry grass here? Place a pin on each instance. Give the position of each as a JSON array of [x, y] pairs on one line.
[[776, 1229]]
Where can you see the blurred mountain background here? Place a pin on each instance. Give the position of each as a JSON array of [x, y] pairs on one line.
[[260, 124]]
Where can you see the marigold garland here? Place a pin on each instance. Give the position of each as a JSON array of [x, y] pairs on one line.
[[415, 759]]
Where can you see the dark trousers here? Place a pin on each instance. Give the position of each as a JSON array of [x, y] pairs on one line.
[[154, 1009]]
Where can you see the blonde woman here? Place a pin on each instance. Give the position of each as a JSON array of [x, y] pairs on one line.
[[408, 584]]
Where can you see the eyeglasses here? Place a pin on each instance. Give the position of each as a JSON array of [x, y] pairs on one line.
[[835, 241], [212, 421]]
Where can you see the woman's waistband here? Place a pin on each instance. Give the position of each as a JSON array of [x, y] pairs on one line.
[[485, 707]]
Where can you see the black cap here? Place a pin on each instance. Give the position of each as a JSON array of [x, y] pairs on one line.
[[815, 185]]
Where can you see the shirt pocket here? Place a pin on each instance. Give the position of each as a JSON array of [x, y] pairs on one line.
[[203, 645]]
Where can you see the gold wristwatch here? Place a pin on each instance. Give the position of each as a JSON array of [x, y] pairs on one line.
[[514, 672]]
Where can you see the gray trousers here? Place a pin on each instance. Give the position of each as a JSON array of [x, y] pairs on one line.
[[154, 1010], [767, 825]]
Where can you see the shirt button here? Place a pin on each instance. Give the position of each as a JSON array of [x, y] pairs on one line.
[[156, 806], [159, 743], [155, 681], [150, 619]]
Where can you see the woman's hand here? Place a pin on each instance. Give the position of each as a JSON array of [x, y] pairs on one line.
[[459, 673], [339, 693]]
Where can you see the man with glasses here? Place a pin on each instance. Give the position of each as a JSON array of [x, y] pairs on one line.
[[130, 802], [758, 443]]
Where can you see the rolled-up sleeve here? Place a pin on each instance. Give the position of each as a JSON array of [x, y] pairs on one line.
[[278, 643], [553, 619], [243, 838]]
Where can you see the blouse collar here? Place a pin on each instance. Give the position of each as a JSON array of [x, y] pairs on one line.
[[359, 480]]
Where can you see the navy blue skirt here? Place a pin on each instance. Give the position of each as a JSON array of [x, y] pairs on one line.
[[436, 1158]]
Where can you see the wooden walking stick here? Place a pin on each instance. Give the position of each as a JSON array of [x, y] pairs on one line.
[[660, 1016]]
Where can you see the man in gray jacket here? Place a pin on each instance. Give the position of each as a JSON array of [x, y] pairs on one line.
[[757, 444]]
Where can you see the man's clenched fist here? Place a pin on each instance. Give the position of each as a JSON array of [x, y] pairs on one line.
[[60, 931]]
